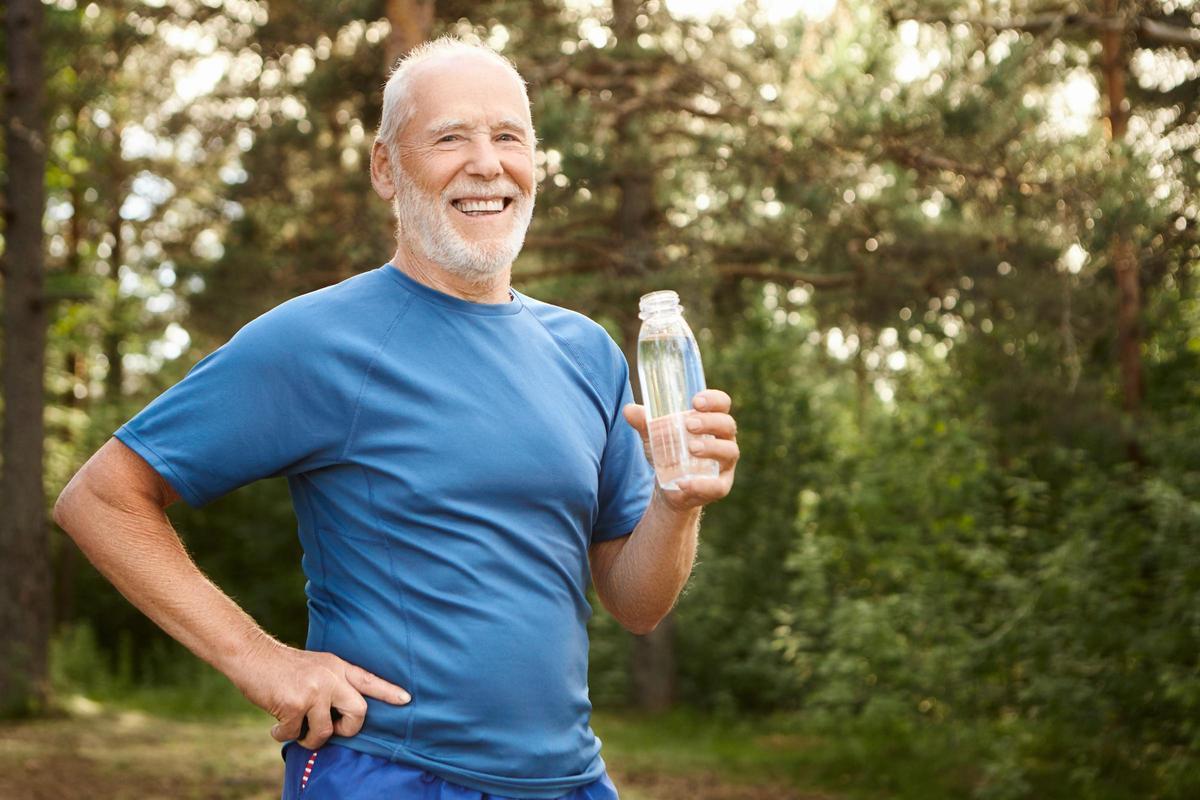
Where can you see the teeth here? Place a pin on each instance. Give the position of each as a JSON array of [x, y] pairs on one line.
[[479, 205]]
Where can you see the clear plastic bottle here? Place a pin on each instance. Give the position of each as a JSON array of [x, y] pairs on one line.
[[671, 376]]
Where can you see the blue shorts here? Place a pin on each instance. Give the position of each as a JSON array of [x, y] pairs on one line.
[[339, 773]]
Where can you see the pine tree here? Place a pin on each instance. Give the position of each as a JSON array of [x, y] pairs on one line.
[[24, 561]]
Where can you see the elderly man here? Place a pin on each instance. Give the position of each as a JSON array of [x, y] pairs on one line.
[[457, 459]]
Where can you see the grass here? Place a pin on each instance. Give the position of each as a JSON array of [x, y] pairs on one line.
[[115, 751], [175, 727], [854, 761], [164, 718], [99, 752], [166, 743]]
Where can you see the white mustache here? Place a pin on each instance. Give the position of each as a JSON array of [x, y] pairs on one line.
[[506, 188]]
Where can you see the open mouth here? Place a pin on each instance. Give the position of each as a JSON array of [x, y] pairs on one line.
[[482, 206]]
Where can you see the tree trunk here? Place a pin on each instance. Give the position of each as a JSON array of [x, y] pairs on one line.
[[24, 558], [861, 385], [114, 379], [412, 22], [1121, 252], [652, 667], [1129, 307], [653, 674], [64, 555]]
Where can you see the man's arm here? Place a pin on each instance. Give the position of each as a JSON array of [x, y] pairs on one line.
[[115, 510], [638, 578]]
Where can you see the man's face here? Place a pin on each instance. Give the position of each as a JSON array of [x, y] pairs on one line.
[[464, 172]]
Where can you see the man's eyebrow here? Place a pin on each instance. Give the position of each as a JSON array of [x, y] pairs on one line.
[[447, 126], [511, 124]]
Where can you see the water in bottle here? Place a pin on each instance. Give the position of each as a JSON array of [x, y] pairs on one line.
[[671, 375]]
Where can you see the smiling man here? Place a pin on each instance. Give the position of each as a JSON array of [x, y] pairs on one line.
[[459, 455]]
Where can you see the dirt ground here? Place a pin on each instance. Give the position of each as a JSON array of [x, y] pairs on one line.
[[95, 754]]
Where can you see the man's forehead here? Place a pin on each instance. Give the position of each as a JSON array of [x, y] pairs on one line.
[[476, 69], [474, 90]]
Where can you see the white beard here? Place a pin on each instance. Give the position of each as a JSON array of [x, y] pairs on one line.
[[423, 221]]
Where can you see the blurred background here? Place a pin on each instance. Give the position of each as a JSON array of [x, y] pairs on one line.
[[943, 255]]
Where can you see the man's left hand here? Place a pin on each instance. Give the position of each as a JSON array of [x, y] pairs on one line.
[[711, 417]]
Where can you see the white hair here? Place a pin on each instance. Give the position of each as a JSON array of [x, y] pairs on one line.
[[397, 93]]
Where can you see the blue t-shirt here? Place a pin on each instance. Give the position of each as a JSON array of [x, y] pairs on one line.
[[449, 463]]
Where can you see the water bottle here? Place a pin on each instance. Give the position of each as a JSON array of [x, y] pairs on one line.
[[671, 376]]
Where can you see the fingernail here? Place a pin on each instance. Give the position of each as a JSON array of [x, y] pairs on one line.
[[695, 446], [405, 697], [693, 424], [701, 401]]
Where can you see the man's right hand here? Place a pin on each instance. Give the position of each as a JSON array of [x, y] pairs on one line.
[[292, 685]]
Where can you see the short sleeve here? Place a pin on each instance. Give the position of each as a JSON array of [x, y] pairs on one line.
[[626, 478], [260, 406]]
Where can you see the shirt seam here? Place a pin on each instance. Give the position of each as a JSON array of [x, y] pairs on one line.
[[353, 431], [579, 362], [371, 505], [318, 543], [610, 423], [433, 301], [413, 681]]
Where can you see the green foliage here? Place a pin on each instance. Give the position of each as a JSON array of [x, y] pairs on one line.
[[935, 579], [939, 567], [609, 657], [726, 614], [166, 680]]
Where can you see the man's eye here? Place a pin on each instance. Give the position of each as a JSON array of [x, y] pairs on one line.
[[449, 137], [507, 137]]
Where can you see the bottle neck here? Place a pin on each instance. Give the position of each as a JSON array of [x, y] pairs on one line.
[[662, 315], [659, 305]]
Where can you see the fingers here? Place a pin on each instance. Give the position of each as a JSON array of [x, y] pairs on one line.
[[718, 424], [320, 727], [712, 400], [701, 491], [374, 686], [723, 451], [349, 699], [349, 713], [327, 698], [710, 416], [287, 729]]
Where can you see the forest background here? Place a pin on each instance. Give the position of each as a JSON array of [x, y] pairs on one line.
[[942, 254]]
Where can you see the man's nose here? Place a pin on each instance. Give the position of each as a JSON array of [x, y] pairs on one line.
[[484, 160]]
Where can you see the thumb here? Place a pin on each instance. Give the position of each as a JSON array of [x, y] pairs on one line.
[[635, 415]]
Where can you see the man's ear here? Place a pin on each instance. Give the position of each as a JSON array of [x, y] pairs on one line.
[[381, 171]]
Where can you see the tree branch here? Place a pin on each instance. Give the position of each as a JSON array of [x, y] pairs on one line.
[[601, 248], [1169, 34], [1150, 29], [1036, 23], [756, 272], [923, 161], [555, 272], [909, 156]]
